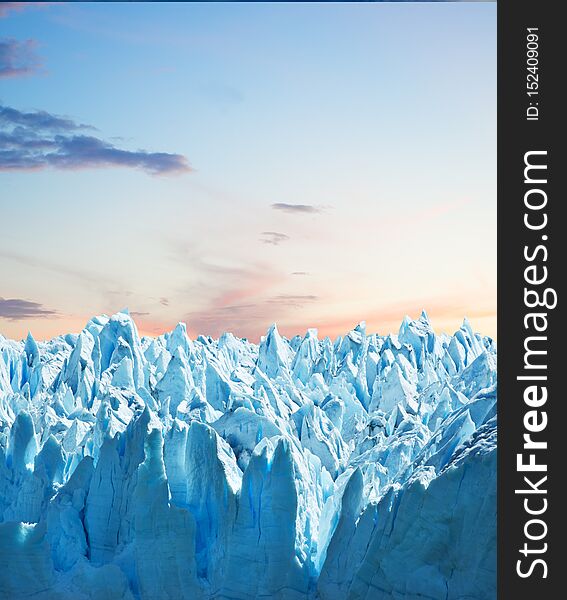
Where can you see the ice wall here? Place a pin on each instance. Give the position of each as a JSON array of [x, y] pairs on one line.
[[149, 468]]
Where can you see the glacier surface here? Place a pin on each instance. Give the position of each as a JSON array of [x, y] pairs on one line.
[[172, 468]]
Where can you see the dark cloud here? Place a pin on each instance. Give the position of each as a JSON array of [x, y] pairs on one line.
[[17, 58], [38, 121], [164, 301], [273, 237], [37, 140], [16, 309], [137, 313], [297, 208]]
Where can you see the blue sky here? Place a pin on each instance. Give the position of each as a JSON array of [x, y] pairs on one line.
[[378, 119]]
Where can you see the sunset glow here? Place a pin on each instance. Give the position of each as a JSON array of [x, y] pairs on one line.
[[206, 166]]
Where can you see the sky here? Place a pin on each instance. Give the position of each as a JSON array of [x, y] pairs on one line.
[[235, 165]]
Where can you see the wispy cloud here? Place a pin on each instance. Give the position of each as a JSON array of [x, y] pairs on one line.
[[433, 212], [38, 140], [18, 58], [221, 94], [297, 208], [228, 297], [16, 309], [238, 285], [92, 279], [227, 294], [106, 292], [293, 300], [301, 273], [273, 237], [8, 7]]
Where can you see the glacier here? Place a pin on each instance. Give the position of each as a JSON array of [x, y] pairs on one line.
[[175, 468]]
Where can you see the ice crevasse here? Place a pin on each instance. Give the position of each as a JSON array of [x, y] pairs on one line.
[[177, 468]]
